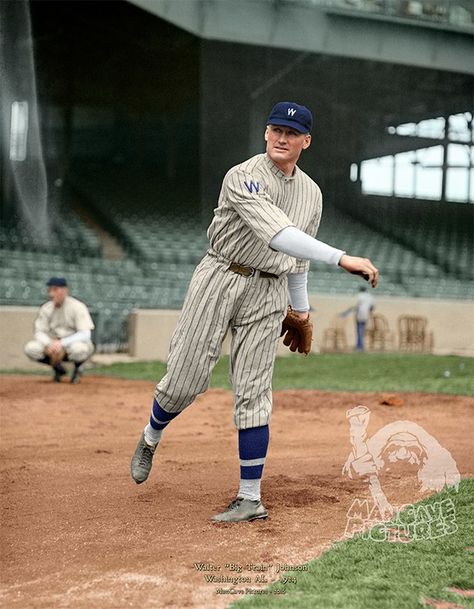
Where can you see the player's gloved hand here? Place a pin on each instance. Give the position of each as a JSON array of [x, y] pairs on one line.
[[298, 332], [360, 266], [291, 339]]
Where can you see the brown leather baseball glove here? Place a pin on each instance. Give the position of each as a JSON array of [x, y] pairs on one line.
[[298, 332]]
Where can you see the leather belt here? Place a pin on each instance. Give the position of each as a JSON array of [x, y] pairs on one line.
[[249, 271]]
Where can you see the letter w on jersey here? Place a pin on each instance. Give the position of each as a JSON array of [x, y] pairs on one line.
[[253, 185]]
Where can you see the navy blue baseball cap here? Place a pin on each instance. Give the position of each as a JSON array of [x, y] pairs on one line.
[[290, 114], [58, 282]]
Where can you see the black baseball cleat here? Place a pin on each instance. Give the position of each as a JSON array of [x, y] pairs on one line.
[[59, 371], [142, 460], [242, 510], [76, 375]]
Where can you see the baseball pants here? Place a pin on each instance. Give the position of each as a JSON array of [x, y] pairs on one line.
[[218, 299], [360, 331], [78, 351]]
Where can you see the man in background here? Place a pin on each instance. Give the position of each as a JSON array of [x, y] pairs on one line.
[[62, 332], [363, 309]]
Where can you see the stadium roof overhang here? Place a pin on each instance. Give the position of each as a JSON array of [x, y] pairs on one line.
[[314, 28]]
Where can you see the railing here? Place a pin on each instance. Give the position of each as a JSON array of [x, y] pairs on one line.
[[457, 14]]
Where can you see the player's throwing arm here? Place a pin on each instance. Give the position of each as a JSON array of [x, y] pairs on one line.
[[297, 243]]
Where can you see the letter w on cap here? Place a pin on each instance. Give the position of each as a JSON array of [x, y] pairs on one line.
[[291, 111], [250, 187]]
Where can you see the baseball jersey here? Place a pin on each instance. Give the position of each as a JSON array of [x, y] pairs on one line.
[[57, 322], [257, 200], [365, 304]]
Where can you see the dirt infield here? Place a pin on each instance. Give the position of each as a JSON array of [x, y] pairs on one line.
[[77, 532]]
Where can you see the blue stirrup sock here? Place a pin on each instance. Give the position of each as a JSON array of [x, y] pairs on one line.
[[253, 446], [159, 419]]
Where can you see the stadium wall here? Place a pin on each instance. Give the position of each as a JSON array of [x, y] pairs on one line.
[[450, 321], [150, 330], [16, 329]]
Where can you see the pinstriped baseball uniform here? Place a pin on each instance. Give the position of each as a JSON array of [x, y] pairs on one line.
[[280, 201], [256, 201]]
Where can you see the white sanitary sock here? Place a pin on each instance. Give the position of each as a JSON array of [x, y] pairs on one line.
[[250, 489], [152, 436]]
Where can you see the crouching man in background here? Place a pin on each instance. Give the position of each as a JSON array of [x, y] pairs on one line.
[[62, 332]]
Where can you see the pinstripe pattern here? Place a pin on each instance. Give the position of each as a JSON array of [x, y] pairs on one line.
[[217, 299], [257, 200], [280, 202]]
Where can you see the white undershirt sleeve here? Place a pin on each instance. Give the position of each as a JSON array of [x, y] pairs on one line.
[[298, 291], [296, 243], [77, 336]]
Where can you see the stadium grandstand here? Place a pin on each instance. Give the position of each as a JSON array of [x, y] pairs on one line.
[[139, 119]]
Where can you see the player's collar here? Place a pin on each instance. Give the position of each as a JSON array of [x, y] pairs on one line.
[[278, 172]]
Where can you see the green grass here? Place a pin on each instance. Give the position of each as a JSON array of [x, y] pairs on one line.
[[34, 371], [370, 372], [336, 372], [341, 372], [363, 574]]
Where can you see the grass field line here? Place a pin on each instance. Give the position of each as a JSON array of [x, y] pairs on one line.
[[449, 374]]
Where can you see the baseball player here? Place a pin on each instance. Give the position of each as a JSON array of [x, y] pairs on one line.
[[362, 311], [364, 308], [261, 242], [62, 332]]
